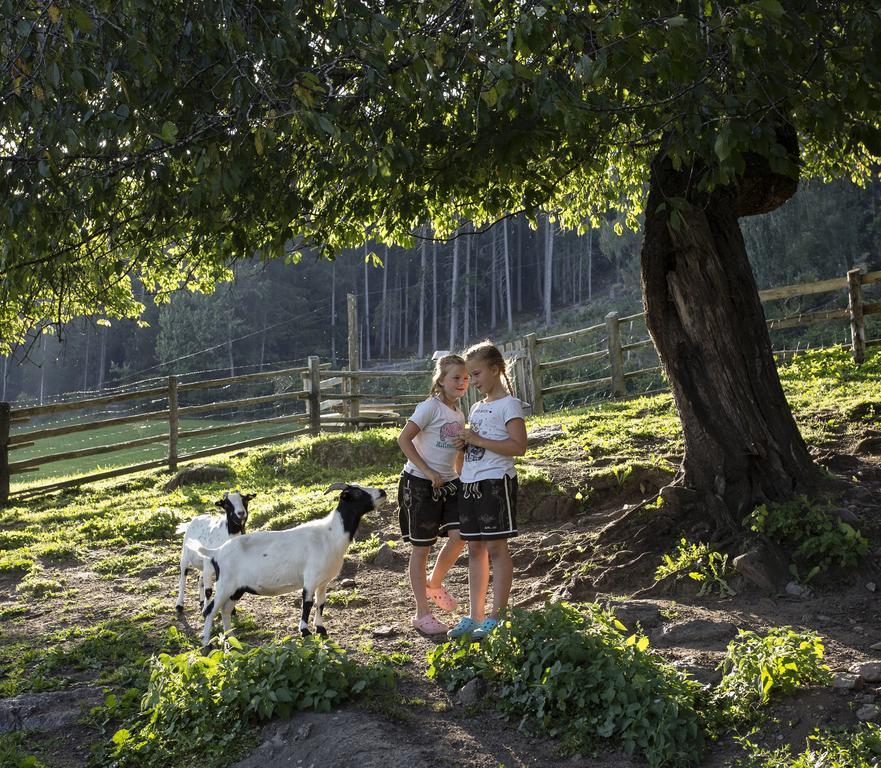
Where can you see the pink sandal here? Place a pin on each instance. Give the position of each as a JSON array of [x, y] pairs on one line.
[[441, 598], [428, 625]]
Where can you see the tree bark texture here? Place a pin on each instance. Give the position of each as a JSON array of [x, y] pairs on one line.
[[742, 446]]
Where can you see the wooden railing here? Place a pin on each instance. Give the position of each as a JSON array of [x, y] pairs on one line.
[[614, 350], [340, 398]]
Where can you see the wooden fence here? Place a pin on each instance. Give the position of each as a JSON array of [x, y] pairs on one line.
[[614, 351], [340, 398]]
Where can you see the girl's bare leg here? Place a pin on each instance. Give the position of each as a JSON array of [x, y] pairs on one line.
[[478, 578], [446, 558], [418, 566]]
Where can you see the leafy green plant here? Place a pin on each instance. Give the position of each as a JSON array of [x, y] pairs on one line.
[[860, 748], [13, 753], [197, 708], [818, 539], [700, 562], [579, 678], [621, 473], [758, 667]]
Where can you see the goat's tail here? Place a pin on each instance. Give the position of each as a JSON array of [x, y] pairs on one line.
[[200, 549], [182, 528]]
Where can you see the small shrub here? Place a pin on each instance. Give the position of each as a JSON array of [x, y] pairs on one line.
[[197, 708], [758, 667], [860, 748], [819, 540], [579, 678], [699, 562], [14, 752]]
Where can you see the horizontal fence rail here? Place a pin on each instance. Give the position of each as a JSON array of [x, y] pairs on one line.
[[335, 398]]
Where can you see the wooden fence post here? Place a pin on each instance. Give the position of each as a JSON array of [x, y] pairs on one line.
[[354, 408], [538, 407], [173, 423], [5, 411], [616, 355], [855, 305], [313, 403]]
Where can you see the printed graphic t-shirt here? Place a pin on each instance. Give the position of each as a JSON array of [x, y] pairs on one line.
[[438, 425], [489, 420]]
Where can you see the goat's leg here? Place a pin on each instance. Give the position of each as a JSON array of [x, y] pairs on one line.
[[226, 615], [221, 597], [320, 602], [181, 587], [308, 600]]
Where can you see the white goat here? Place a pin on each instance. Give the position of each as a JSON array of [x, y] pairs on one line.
[[212, 531], [277, 562]]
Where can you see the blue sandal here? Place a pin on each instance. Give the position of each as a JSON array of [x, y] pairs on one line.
[[484, 628], [466, 626]]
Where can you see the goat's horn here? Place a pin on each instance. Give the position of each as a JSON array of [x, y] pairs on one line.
[[336, 487]]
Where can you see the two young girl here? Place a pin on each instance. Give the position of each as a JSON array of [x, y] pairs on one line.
[[461, 483]]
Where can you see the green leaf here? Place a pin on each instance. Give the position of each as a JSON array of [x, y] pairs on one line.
[[169, 132], [772, 8]]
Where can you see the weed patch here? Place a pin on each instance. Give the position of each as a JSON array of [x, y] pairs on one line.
[[758, 667], [579, 678], [818, 539], [198, 708], [701, 563], [860, 748]]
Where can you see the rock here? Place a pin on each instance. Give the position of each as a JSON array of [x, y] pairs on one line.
[[551, 540], [868, 445], [871, 586], [470, 693], [704, 675], [384, 631], [43, 712], [824, 618], [845, 515], [764, 566], [868, 713], [569, 526], [633, 612], [870, 671], [680, 497], [696, 631], [865, 698], [847, 682], [201, 473], [347, 584], [800, 591], [386, 556], [542, 435], [875, 647]]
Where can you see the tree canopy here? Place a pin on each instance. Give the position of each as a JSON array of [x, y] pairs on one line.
[[161, 140]]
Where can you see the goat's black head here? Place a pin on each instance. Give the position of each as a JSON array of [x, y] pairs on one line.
[[355, 501], [235, 505]]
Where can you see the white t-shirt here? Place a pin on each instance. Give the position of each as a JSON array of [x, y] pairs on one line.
[[438, 425], [490, 420]]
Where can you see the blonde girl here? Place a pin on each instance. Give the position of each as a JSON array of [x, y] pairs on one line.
[[429, 488], [488, 491]]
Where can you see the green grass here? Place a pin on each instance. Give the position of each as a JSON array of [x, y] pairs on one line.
[[120, 435]]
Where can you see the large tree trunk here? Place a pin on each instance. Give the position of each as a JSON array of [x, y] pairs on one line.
[[742, 445]]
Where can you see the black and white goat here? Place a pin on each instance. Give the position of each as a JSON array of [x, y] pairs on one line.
[[212, 531], [277, 562]]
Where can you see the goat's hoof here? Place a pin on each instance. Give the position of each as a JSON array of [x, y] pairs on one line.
[[233, 612], [179, 609], [305, 632], [321, 631]]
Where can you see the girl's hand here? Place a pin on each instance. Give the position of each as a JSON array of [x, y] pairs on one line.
[[436, 480], [459, 443], [467, 435]]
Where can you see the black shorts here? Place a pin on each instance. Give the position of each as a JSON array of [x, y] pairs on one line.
[[425, 512], [488, 509]]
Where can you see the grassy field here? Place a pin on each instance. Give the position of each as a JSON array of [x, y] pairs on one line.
[[120, 435], [91, 572]]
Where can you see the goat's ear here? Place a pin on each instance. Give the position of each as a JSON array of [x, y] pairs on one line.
[[248, 496], [336, 487], [219, 503]]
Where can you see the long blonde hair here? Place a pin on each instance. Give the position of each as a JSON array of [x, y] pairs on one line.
[[489, 353], [441, 368]]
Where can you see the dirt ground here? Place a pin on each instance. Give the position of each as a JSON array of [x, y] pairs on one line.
[[428, 727]]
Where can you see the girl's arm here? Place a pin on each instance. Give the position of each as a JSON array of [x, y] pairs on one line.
[[405, 441], [514, 445], [459, 461]]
